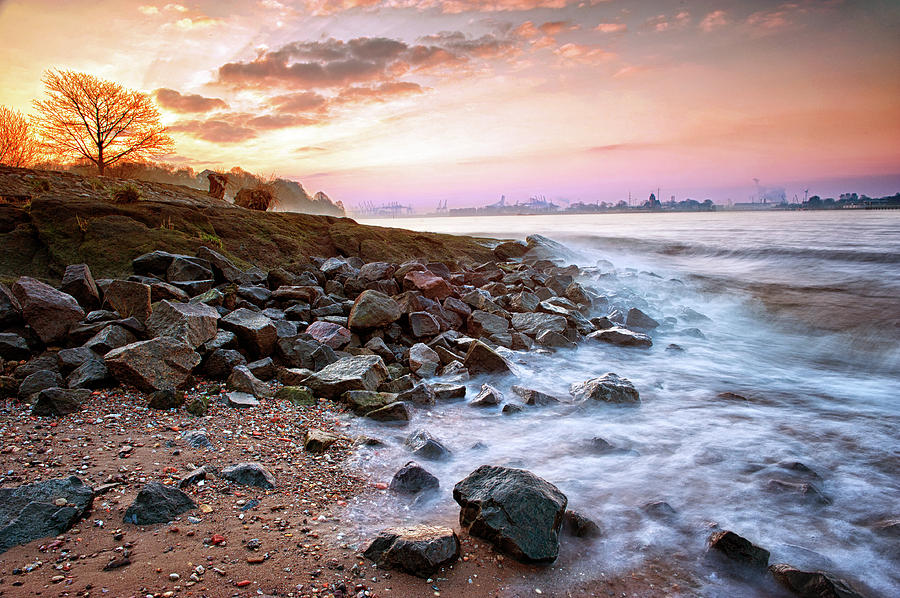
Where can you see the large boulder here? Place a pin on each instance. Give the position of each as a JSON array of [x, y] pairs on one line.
[[79, 283], [10, 309], [304, 352], [255, 331], [428, 283], [412, 478], [329, 333], [49, 312], [638, 319], [534, 324], [243, 380], [249, 474], [609, 388], [222, 267], [92, 373], [482, 323], [420, 550], [422, 323], [373, 310], [739, 549], [481, 359], [622, 337], [366, 401], [520, 513], [38, 381], [361, 372], [158, 503], [158, 364], [41, 510], [194, 323], [423, 360], [129, 298], [812, 584], [59, 401]]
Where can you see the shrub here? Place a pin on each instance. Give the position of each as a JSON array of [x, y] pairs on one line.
[[127, 193], [261, 197]]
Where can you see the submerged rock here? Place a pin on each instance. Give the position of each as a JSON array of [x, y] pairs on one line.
[[41, 510], [487, 397], [420, 550], [609, 388], [412, 478], [812, 584], [424, 445], [739, 550], [580, 526]]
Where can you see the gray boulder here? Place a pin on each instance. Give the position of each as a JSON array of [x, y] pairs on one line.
[[59, 401], [412, 478], [128, 298], [49, 312], [38, 381], [111, 337], [361, 372], [92, 373], [13, 347], [79, 283], [609, 388], [423, 360], [222, 267], [812, 584], [243, 380], [249, 474], [488, 396], [422, 324], [255, 331], [158, 503], [373, 309], [621, 337], [419, 550], [157, 364], [194, 323], [534, 324], [739, 549], [41, 510], [481, 359], [425, 446], [398, 411], [638, 319]]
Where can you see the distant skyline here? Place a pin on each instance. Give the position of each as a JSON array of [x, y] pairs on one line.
[[465, 100]]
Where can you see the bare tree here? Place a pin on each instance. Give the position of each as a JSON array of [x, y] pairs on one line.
[[86, 117], [18, 146]]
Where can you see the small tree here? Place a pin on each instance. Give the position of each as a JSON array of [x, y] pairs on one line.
[[18, 146], [86, 117]]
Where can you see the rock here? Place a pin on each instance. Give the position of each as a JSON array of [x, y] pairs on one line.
[[198, 407], [111, 337], [397, 411], [240, 399], [92, 373], [422, 323], [639, 320], [329, 334], [13, 347], [445, 391], [512, 409], [38, 381], [128, 299], [197, 439], [621, 337], [579, 526], [243, 380], [429, 284], [155, 263], [10, 308], [739, 549], [249, 474], [318, 441], [255, 332], [576, 294], [188, 269], [221, 362], [194, 476], [194, 323], [420, 394], [296, 395], [304, 352], [365, 401], [510, 249], [42, 362], [412, 478], [166, 399], [41, 510], [157, 364], [373, 310], [264, 369], [481, 359], [362, 372], [69, 359], [482, 323], [419, 550], [534, 324], [376, 271], [222, 267], [487, 397], [79, 283], [812, 584], [49, 312], [520, 513], [555, 340], [424, 445], [534, 397], [59, 401], [158, 503], [609, 388], [423, 360], [803, 490]]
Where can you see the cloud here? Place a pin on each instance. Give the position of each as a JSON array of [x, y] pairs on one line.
[[216, 130], [772, 20], [177, 102], [279, 121], [188, 23], [714, 20], [611, 27], [526, 30], [148, 10], [379, 93], [310, 149], [662, 23], [329, 7], [583, 53], [557, 27], [303, 101]]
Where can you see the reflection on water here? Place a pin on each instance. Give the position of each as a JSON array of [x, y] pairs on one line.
[[802, 411]]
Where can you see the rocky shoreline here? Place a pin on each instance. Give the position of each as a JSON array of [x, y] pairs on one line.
[[197, 405]]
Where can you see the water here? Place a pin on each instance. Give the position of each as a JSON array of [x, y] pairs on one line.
[[803, 324]]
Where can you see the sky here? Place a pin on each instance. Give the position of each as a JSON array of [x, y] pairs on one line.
[[420, 102]]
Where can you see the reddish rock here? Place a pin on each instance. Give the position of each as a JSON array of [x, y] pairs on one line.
[[431, 285], [329, 333], [128, 298]]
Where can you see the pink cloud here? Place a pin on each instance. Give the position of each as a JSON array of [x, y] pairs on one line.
[[611, 27], [714, 20]]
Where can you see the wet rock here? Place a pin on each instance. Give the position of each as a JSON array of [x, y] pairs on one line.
[[92, 373], [659, 509], [803, 490], [128, 299], [674, 348], [482, 323], [362, 402], [512, 408], [156, 364], [534, 397], [111, 337], [520, 513], [166, 399], [41, 510], [481, 359], [221, 362], [38, 381], [580, 526], [429, 284], [510, 249], [422, 323], [10, 308], [420, 394], [255, 332], [13, 347], [373, 309], [423, 360], [296, 395], [243, 380], [488, 396], [553, 340], [329, 333], [362, 372], [419, 550], [621, 337], [394, 412], [54, 402], [425, 446], [49, 312], [412, 478], [318, 441], [639, 320], [79, 283], [194, 323], [602, 323], [609, 388], [445, 391], [739, 550], [158, 503], [533, 324], [240, 400], [812, 584], [249, 474]]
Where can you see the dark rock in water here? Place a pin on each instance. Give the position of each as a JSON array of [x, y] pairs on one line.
[[579, 526], [608, 388], [158, 503], [197, 439], [59, 401], [812, 584], [622, 337], [518, 512], [420, 394], [412, 478], [659, 509], [445, 391], [481, 359], [166, 399], [420, 550], [41, 510], [424, 445], [111, 337], [362, 372], [296, 395], [512, 408], [689, 315], [804, 490], [488, 396], [79, 283], [38, 381], [674, 348], [255, 332], [93, 373], [240, 400], [739, 549], [221, 362], [194, 323], [13, 347], [394, 412], [318, 441], [156, 364], [128, 299], [553, 340], [602, 323], [638, 319], [249, 474], [731, 396], [49, 312], [10, 308], [534, 397]]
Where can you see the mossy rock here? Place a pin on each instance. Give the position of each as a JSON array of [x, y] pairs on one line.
[[297, 395], [198, 407]]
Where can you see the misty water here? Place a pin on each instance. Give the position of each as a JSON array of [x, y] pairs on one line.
[[803, 324]]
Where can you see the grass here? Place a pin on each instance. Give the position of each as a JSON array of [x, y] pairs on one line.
[[259, 198], [127, 193]]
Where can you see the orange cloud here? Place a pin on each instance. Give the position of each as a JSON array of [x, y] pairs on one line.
[[583, 53], [557, 27], [177, 102], [611, 27]]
